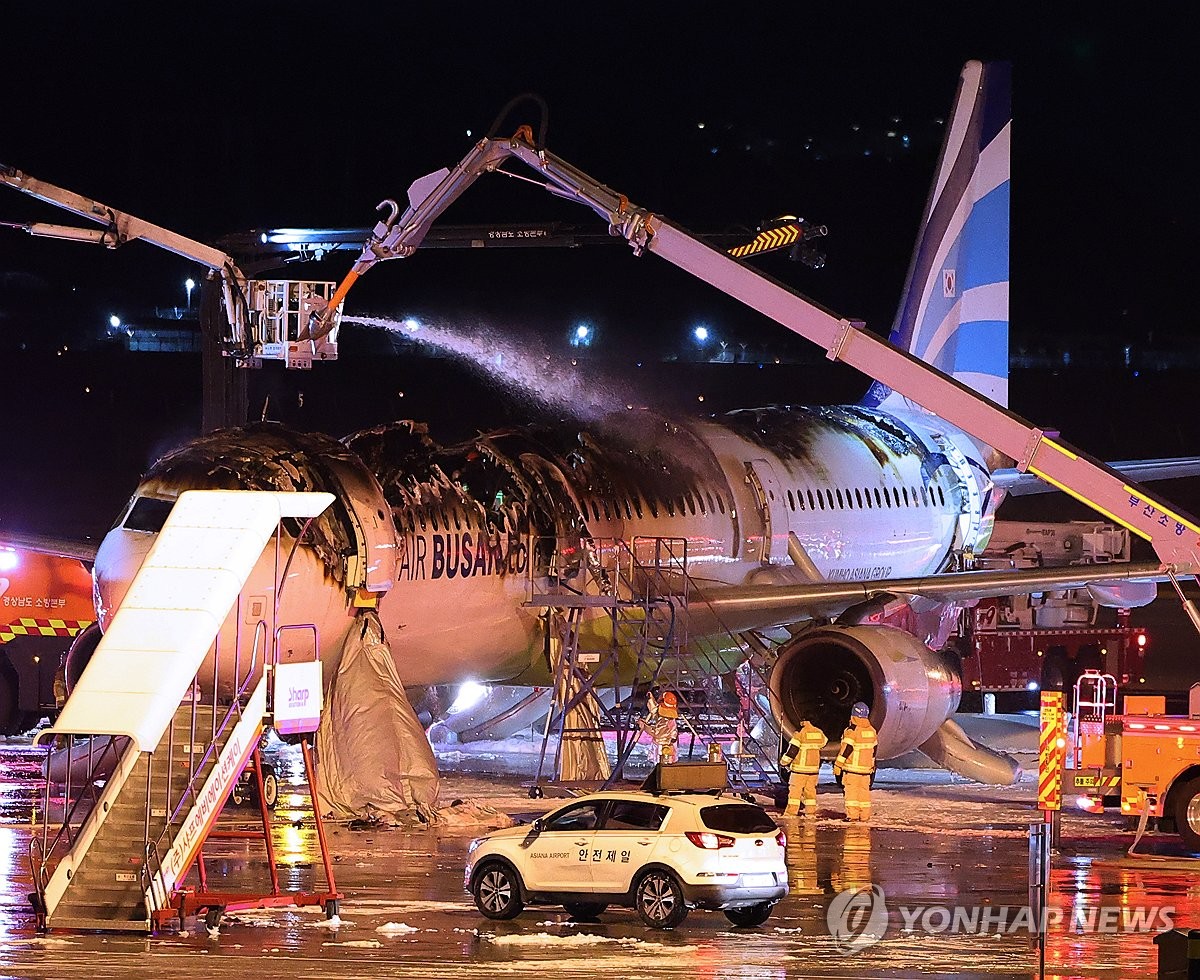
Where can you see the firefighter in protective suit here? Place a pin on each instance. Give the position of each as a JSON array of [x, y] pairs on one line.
[[803, 760], [855, 763], [661, 724]]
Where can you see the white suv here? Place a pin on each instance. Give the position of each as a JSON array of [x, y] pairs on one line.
[[660, 854]]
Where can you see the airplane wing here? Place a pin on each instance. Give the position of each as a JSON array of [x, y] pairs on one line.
[[44, 544], [1138, 470], [746, 607]]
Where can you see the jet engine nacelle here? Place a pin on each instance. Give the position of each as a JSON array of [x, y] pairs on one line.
[[79, 653], [909, 688]]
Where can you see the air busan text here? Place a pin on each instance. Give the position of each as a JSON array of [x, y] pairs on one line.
[[460, 554]]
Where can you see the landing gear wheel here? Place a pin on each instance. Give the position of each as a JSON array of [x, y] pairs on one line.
[[270, 787], [585, 911], [659, 900], [1187, 814], [749, 915], [497, 892]]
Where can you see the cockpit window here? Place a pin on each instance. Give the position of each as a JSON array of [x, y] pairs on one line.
[[148, 514]]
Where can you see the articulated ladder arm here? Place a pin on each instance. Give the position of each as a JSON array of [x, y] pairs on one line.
[[121, 227], [1174, 537]]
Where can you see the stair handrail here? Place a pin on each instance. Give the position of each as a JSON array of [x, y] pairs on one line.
[[658, 602], [227, 721], [71, 808], [153, 885], [89, 824], [37, 873]]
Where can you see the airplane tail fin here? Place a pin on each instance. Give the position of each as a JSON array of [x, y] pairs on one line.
[[954, 310]]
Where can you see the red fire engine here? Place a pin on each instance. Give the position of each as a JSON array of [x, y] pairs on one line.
[[1048, 639], [45, 600], [1026, 643]]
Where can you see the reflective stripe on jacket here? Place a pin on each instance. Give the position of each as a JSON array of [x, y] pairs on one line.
[[804, 750], [857, 753]]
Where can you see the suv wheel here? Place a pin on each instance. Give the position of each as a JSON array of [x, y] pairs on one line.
[[585, 911], [659, 900], [749, 915], [497, 892]]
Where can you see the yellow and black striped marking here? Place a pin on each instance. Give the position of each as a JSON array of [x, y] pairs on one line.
[[42, 627], [769, 240]]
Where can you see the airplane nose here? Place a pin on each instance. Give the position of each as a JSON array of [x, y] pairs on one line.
[[118, 559]]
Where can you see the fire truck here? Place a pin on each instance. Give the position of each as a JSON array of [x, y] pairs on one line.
[[1024, 643], [45, 601], [1145, 760]]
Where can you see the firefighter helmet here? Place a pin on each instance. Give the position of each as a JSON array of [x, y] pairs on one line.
[[860, 710], [668, 705]]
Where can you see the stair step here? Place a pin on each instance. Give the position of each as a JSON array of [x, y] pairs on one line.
[[112, 860], [84, 923], [97, 905], [96, 897]]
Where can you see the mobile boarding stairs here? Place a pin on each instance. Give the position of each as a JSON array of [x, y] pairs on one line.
[[153, 759]]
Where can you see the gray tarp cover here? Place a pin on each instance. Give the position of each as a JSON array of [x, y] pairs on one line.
[[373, 754]]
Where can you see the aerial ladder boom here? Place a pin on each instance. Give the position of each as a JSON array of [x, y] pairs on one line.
[[120, 228], [1174, 537], [256, 311]]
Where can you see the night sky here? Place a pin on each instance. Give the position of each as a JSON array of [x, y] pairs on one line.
[[218, 118]]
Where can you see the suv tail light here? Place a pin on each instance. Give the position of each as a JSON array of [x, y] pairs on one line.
[[781, 839], [708, 840]]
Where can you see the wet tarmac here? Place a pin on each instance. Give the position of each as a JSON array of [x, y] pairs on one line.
[[937, 847]]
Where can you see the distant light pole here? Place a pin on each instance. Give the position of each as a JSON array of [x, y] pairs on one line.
[[189, 285], [582, 335]]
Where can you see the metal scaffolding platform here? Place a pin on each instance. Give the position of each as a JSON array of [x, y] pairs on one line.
[[616, 615]]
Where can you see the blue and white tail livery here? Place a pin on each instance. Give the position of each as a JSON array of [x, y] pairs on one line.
[[954, 310]]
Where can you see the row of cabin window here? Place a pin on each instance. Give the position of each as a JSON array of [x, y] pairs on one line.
[[683, 505], [876, 497], [438, 518], [687, 503]]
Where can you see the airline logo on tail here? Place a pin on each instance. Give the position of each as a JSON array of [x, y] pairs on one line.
[[954, 310]]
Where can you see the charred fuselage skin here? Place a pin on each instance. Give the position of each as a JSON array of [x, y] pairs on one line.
[[446, 541]]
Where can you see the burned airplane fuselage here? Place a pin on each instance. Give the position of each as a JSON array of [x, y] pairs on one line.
[[446, 540]]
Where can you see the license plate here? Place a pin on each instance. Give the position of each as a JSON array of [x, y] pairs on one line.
[[758, 881]]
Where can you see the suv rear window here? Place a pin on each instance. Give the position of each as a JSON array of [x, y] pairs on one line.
[[631, 815], [738, 818]]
